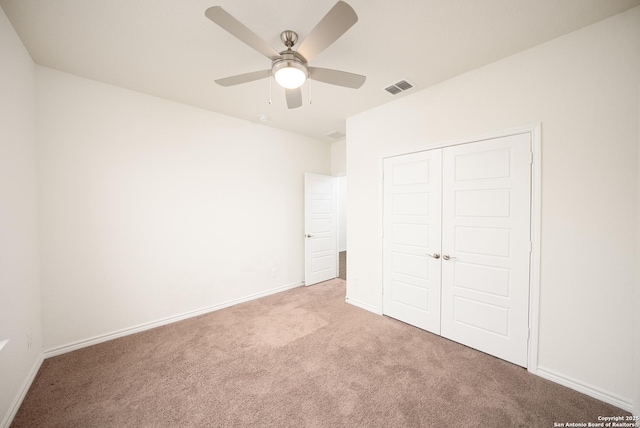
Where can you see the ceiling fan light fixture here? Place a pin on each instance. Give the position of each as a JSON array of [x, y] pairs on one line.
[[290, 74], [290, 77], [290, 68]]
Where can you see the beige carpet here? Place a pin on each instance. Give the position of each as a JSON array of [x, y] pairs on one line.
[[302, 358]]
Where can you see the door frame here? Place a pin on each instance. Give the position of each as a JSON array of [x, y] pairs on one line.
[[535, 130]]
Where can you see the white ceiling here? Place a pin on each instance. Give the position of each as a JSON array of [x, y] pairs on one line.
[[169, 49]]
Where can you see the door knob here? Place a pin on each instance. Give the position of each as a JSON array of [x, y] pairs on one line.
[[448, 257], [308, 236], [435, 255]]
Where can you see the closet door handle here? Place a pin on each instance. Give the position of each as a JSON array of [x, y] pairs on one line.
[[308, 236], [435, 255], [448, 257]]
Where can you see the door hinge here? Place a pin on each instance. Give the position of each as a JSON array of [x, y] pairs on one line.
[[531, 158], [530, 247]]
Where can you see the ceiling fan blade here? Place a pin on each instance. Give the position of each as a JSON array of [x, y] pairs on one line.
[[243, 78], [334, 24], [336, 77], [237, 29], [294, 98]]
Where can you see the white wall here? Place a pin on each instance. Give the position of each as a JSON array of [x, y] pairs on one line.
[[151, 209], [342, 213], [583, 88], [636, 334], [19, 287], [339, 158], [339, 169]]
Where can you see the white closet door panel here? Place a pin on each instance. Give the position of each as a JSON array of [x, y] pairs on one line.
[[412, 226], [486, 232]]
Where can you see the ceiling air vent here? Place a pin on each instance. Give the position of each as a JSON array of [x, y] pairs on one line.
[[398, 87], [336, 135]]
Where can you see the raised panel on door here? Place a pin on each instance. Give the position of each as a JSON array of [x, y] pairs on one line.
[[412, 216], [486, 232], [320, 228]]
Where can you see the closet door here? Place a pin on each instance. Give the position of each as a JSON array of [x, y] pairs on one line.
[[412, 225], [486, 239]]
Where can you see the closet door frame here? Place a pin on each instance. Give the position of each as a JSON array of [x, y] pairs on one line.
[[535, 132]]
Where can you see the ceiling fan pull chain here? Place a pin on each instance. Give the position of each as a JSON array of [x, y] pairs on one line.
[[270, 101], [309, 90]]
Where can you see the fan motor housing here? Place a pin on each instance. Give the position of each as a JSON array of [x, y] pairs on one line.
[[290, 58]]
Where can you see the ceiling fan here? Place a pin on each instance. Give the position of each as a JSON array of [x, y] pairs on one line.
[[290, 68]]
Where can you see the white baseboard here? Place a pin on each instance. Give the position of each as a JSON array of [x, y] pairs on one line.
[[147, 326], [17, 402], [364, 306], [585, 388]]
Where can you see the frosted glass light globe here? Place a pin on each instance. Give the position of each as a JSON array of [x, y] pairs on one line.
[[290, 77]]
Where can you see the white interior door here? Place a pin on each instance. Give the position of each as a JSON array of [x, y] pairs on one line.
[[412, 222], [320, 224], [486, 237]]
